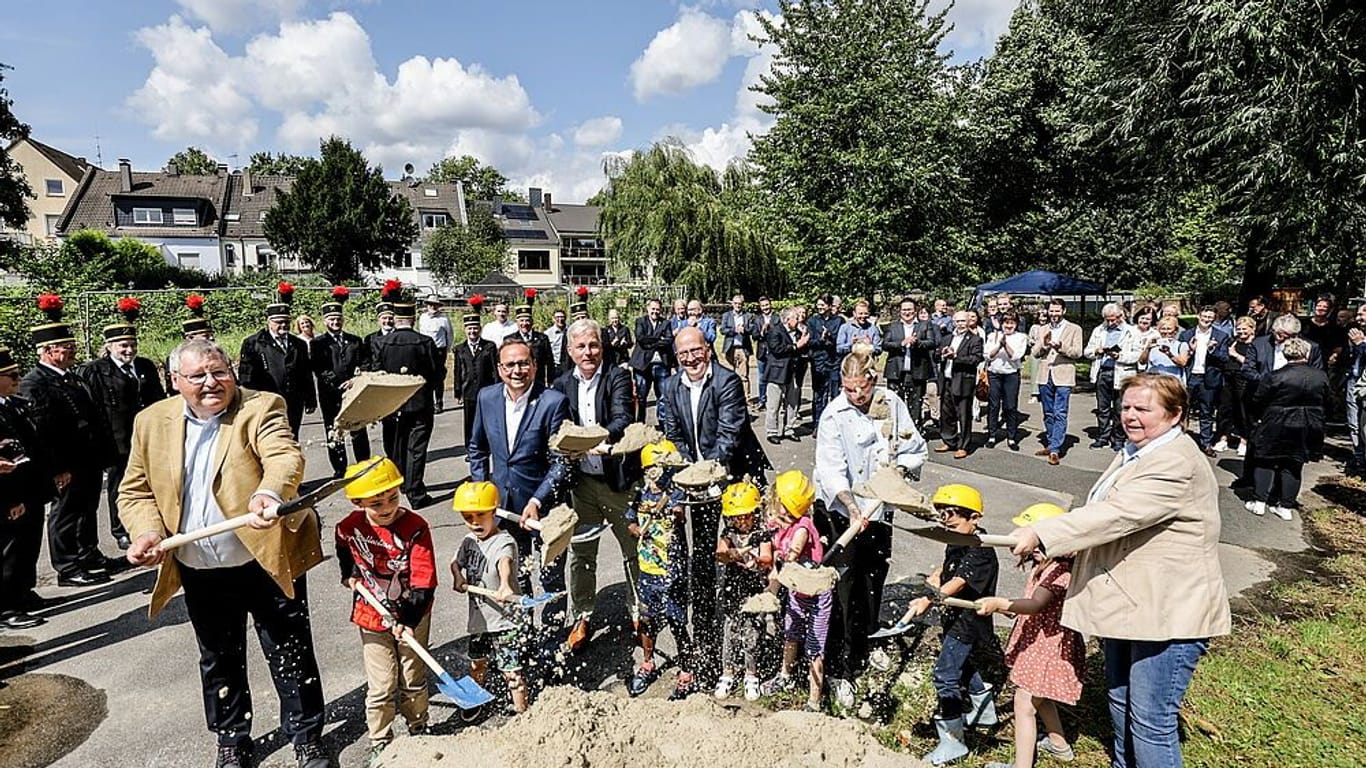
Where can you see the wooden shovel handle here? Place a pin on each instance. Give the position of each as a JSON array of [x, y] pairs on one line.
[[408, 638], [482, 592], [231, 524], [509, 515], [958, 602], [997, 540]]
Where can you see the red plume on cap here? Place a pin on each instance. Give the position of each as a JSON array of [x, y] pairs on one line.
[[476, 301], [581, 291], [51, 305], [196, 304], [341, 293], [391, 290], [130, 308], [530, 295], [284, 289]]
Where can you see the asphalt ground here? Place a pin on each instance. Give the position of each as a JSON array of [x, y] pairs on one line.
[[100, 640]]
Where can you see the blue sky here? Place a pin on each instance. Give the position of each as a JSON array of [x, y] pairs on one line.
[[540, 89]]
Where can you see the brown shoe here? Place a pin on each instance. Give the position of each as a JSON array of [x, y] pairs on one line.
[[960, 454], [1042, 452], [1054, 459], [578, 636], [943, 449]]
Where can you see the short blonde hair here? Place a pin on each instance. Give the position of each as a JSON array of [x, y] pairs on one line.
[[1167, 323], [858, 364]]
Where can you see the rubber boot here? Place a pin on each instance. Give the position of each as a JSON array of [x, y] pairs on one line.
[[951, 746], [983, 708]]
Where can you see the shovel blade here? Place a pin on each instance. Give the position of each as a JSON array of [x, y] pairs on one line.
[[892, 631], [529, 602], [590, 533], [466, 693]]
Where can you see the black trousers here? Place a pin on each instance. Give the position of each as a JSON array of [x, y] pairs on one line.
[[471, 413], [912, 391], [294, 411], [1107, 409], [1003, 405], [858, 597], [405, 442], [336, 451], [439, 391], [72, 528], [955, 417], [20, 541], [706, 622], [218, 601], [112, 477], [1277, 481], [1231, 414]]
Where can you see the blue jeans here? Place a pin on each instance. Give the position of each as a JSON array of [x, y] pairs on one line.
[[763, 396], [1003, 405], [1146, 682], [954, 664], [825, 386], [659, 373], [1054, 400]]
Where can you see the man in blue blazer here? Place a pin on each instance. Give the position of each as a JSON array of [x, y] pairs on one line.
[[529, 479], [1205, 371]]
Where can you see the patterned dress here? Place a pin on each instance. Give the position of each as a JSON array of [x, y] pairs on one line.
[[1046, 658]]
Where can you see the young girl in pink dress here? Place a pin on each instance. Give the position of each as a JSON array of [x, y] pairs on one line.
[[1046, 659]]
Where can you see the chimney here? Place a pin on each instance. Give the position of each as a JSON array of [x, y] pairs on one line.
[[125, 175], [533, 195], [222, 169], [172, 169], [247, 189], [547, 202]]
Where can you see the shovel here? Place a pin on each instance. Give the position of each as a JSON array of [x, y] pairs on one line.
[[581, 535], [946, 536], [907, 621], [291, 510], [848, 536], [466, 693], [524, 602]]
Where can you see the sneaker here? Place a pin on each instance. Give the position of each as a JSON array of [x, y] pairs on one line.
[[1242, 448], [751, 688], [375, 751], [1281, 512], [311, 755], [843, 692], [685, 686], [641, 680], [777, 684], [1062, 754], [812, 706], [1221, 446], [1257, 508], [233, 756], [724, 686]]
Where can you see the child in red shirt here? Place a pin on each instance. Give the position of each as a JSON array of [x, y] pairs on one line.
[[388, 548]]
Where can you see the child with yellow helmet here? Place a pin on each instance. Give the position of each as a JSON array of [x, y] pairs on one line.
[[967, 573], [655, 517], [806, 620], [1047, 660], [388, 548], [487, 558], [745, 551]]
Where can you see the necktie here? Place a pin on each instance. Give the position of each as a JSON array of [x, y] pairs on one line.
[[128, 371]]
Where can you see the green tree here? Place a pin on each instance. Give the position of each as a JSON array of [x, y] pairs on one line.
[[14, 188], [482, 182], [340, 217], [665, 218], [267, 164], [194, 161], [465, 255], [861, 164]]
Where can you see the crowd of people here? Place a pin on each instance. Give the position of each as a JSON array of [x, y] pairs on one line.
[[1262, 384]]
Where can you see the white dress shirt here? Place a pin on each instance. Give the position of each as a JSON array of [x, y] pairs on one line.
[[437, 328], [695, 401], [513, 411], [198, 507], [1200, 348], [851, 446], [954, 344], [496, 331], [590, 464]]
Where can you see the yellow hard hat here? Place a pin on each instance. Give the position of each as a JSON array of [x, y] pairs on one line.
[[1036, 512], [653, 452], [794, 491], [385, 476], [958, 495], [740, 498], [475, 496]]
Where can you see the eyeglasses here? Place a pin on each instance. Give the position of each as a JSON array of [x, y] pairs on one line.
[[515, 364], [689, 354], [198, 379]]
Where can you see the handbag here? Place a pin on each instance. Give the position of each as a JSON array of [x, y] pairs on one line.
[[983, 386]]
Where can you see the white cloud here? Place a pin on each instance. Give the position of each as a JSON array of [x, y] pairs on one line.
[[598, 131], [690, 52], [191, 94], [976, 24], [238, 15]]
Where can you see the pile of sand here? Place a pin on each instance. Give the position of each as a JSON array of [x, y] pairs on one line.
[[891, 488], [573, 728], [701, 474], [372, 396], [575, 440], [636, 437]]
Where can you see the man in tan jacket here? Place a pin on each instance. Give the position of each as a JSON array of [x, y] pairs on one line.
[[1059, 347], [216, 452]]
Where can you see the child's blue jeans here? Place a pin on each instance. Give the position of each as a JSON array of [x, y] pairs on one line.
[[953, 665]]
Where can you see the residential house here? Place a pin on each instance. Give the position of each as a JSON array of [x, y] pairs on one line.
[[583, 255], [552, 245], [53, 176], [244, 244], [180, 214], [435, 205]]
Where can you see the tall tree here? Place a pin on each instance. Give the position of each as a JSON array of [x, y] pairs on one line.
[[466, 255], [861, 162], [194, 162], [482, 182], [267, 164], [666, 218], [340, 217], [14, 188]]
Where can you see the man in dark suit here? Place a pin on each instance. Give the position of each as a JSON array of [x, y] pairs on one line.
[[25, 488], [476, 367], [652, 358], [823, 329], [960, 352], [273, 360], [1261, 314], [908, 343], [337, 357], [539, 344], [737, 326], [529, 479], [408, 431], [703, 412], [785, 342], [1268, 347], [601, 396], [1205, 372], [616, 341], [121, 384]]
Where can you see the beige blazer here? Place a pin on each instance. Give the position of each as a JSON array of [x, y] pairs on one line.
[[1059, 363], [1147, 551], [255, 451]]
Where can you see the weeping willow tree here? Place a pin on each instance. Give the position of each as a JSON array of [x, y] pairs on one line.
[[668, 219]]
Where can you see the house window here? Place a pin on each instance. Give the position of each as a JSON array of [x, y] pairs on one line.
[[50, 221], [533, 261], [262, 216], [146, 215], [230, 254], [404, 260], [183, 217], [434, 220], [188, 260], [429, 192], [54, 187], [263, 255]]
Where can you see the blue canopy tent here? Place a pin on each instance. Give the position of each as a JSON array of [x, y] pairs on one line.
[[1038, 282]]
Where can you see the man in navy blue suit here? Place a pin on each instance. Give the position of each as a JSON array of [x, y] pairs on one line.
[[1205, 372], [510, 446]]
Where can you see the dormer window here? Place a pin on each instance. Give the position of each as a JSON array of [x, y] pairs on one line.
[[434, 220], [184, 217], [147, 216]]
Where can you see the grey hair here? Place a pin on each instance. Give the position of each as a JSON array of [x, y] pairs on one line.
[[1287, 323], [584, 326], [198, 349], [1111, 309], [788, 313], [1295, 349]]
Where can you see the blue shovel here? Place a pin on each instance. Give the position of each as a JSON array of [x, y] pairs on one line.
[[466, 693], [524, 602]]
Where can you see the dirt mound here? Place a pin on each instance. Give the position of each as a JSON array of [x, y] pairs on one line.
[[43, 717], [573, 728]]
